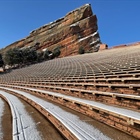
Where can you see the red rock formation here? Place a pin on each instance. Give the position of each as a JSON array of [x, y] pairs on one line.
[[103, 47], [126, 45], [78, 28]]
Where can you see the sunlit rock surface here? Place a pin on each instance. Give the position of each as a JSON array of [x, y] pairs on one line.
[[77, 29]]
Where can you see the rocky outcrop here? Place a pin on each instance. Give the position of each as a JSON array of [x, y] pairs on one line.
[[126, 45], [103, 47], [78, 28]]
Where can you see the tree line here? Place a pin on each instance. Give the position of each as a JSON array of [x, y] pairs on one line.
[[24, 56]]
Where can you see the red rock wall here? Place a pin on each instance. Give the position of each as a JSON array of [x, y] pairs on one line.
[[78, 28], [103, 47], [126, 45]]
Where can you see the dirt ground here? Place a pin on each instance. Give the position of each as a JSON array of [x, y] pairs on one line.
[[7, 123]]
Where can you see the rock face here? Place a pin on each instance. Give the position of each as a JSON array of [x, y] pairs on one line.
[[126, 45], [103, 47], [78, 28]]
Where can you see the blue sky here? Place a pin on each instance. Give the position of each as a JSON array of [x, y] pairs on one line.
[[118, 20]]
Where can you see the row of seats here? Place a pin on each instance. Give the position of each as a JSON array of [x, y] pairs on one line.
[[111, 77], [82, 66], [114, 71]]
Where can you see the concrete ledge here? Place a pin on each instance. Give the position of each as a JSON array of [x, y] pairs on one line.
[[58, 125], [123, 123], [125, 100]]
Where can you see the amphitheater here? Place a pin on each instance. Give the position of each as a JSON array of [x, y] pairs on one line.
[[94, 96]]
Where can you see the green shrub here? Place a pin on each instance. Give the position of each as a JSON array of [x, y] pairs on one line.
[[88, 51], [13, 56], [47, 54], [40, 56], [56, 52], [81, 50], [18, 56], [29, 55], [1, 61]]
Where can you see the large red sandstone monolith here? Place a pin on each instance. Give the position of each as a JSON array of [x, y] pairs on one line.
[[77, 29]]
